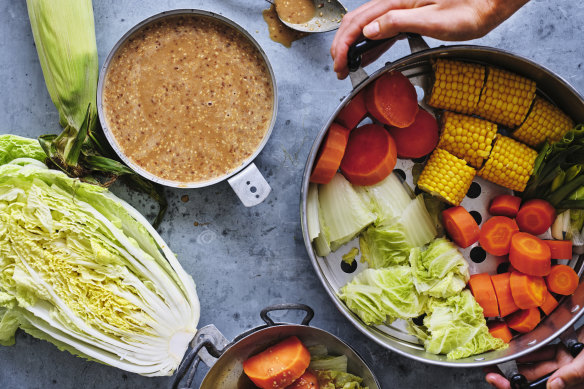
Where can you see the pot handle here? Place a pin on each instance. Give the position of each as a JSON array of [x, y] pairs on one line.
[[518, 381], [287, 307], [250, 186]]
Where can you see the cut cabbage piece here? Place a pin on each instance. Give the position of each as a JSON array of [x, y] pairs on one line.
[[84, 270], [387, 199], [312, 212], [418, 225], [384, 246]]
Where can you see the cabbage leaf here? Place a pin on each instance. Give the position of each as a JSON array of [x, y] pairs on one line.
[[330, 379]]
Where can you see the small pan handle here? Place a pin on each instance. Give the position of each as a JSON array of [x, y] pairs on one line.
[[287, 307], [191, 362]]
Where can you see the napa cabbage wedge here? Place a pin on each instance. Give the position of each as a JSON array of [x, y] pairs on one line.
[[84, 270], [382, 295], [387, 199], [455, 326], [440, 270]]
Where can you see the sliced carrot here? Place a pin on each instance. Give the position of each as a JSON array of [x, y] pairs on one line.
[[562, 280], [370, 155], [419, 138], [353, 112], [528, 291], [279, 365], [392, 100], [504, 296], [524, 321], [505, 205], [549, 303], [307, 381], [496, 235], [499, 329], [482, 289], [536, 216], [330, 154], [530, 255], [461, 226], [560, 249]]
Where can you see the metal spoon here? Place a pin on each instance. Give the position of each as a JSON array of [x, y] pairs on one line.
[[327, 17]]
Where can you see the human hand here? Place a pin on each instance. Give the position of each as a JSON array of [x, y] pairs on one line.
[[569, 371], [450, 20]]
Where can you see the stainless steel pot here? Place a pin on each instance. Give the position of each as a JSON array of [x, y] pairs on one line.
[[225, 358], [247, 181], [417, 67]]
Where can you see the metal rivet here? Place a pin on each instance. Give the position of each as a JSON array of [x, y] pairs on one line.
[[575, 308], [532, 342], [480, 359]]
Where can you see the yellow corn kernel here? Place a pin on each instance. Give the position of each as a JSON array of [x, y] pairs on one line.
[[457, 85], [467, 137], [506, 97], [446, 176], [510, 164], [544, 122]]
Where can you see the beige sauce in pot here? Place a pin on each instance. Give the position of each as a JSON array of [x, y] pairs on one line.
[[188, 98]]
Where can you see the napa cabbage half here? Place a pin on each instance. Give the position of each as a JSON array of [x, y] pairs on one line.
[[84, 270]]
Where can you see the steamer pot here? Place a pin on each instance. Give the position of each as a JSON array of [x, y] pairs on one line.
[[225, 358], [417, 66], [247, 181]]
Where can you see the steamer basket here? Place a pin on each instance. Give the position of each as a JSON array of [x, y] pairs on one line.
[[417, 67]]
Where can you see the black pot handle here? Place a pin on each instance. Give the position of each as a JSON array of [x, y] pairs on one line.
[[191, 362], [518, 381], [287, 307], [357, 50]]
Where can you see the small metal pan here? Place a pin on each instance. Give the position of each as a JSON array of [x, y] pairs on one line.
[[247, 181]]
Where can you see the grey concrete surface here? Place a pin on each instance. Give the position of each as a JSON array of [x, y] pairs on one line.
[[244, 259]]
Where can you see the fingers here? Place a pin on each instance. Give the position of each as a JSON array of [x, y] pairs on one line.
[[569, 375], [416, 20], [498, 381]]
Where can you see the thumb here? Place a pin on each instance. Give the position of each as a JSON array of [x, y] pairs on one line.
[[395, 21], [569, 375]]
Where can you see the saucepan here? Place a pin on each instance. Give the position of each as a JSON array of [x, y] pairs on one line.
[[245, 179], [225, 358], [333, 275]]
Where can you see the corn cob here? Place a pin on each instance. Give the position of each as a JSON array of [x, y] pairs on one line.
[[544, 122], [467, 137], [510, 164], [506, 97], [446, 176], [457, 85]]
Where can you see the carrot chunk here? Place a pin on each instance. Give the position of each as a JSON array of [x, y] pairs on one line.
[[496, 235], [482, 289], [353, 112], [461, 226], [504, 296], [528, 291], [279, 365], [560, 249], [418, 139], [524, 321], [505, 205], [499, 329], [536, 216], [562, 280], [370, 155], [549, 303], [530, 255], [392, 100], [330, 154]]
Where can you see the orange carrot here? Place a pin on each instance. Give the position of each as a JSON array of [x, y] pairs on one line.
[[392, 100], [560, 249], [482, 289], [549, 303], [370, 155], [461, 226], [307, 381], [419, 138], [330, 154], [353, 112], [496, 235], [499, 329], [536, 216], [562, 280], [524, 321], [528, 291], [530, 255], [504, 296], [505, 205], [279, 365]]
